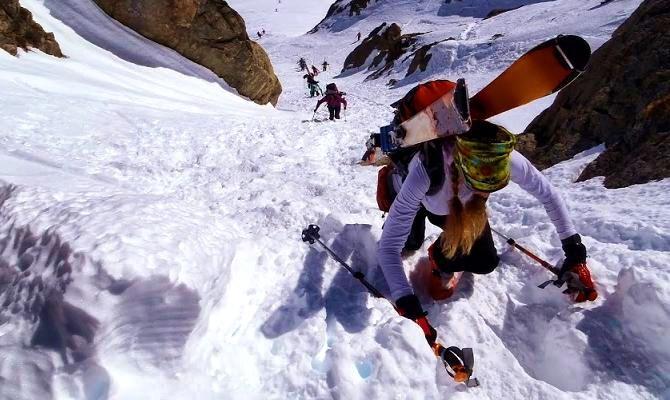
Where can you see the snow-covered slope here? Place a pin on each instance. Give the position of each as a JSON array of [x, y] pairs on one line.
[[287, 18], [184, 205]]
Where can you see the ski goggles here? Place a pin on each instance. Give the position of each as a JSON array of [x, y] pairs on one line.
[[483, 155]]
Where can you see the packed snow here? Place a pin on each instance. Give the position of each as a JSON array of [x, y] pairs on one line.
[[183, 203]]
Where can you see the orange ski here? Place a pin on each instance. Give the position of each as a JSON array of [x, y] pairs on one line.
[[543, 70]]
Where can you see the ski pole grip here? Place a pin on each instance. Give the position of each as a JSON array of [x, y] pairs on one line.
[[310, 234]]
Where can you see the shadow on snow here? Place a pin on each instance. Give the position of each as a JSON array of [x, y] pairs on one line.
[[93, 25], [345, 300], [548, 345]]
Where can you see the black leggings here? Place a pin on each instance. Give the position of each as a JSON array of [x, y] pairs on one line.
[[334, 112], [482, 259], [418, 232]]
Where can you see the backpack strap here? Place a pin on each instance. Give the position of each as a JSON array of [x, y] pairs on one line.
[[431, 158], [433, 162]]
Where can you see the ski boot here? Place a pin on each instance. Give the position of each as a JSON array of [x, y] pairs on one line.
[[437, 284], [442, 285]]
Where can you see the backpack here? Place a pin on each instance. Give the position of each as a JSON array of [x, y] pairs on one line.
[[331, 86], [418, 98]]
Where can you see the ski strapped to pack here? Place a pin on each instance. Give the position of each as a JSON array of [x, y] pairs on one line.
[[457, 362], [541, 71], [439, 108], [448, 115]]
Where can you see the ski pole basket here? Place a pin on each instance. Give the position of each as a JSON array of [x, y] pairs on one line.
[[458, 363]]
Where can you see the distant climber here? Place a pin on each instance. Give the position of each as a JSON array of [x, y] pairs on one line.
[[303, 64], [333, 99], [325, 65], [315, 70], [313, 85], [259, 35], [358, 36]]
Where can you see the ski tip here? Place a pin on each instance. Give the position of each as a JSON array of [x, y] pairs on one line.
[[576, 49]]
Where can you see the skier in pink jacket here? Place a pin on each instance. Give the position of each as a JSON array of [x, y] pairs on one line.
[[334, 99]]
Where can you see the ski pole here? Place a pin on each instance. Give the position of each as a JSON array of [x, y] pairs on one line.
[[527, 252], [570, 278], [311, 235], [461, 361], [557, 282]]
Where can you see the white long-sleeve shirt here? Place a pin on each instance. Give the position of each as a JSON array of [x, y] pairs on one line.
[[412, 195]]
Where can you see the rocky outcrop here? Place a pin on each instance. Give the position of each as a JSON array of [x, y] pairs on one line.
[[422, 56], [343, 8], [420, 59], [356, 6], [622, 100], [388, 43], [208, 32], [19, 31], [353, 7]]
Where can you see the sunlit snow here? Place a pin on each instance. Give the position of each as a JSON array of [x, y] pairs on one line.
[[182, 204]]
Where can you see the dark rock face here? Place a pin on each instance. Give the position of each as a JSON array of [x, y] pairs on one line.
[[421, 57], [391, 45], [208, 32], [353, 7], [420, 60], [622, 100], [18, 30], [347, 8]]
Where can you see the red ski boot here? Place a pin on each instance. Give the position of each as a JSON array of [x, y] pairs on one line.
[[442, 285], [439, 285]]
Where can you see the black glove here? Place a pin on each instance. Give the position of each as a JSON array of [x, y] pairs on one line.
[[575, 272], [575, 252], [410, 307]]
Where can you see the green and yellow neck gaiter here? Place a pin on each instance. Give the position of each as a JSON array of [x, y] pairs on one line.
[[483, 156]]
